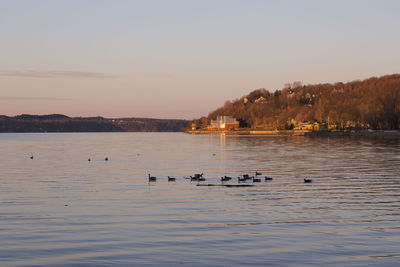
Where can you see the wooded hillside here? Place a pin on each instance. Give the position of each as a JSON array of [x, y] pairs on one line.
[[373, 103]]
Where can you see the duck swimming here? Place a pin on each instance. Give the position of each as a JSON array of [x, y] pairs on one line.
[[152, 178]]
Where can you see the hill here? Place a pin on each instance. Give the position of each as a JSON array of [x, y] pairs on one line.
[[62, 123], [373, 103]]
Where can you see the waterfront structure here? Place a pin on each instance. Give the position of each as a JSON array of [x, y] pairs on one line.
[[305, 125], [315, 127], [223, 123]]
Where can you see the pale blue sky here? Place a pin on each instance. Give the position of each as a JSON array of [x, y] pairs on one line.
[[183, 59]]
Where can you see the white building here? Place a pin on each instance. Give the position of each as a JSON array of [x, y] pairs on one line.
[[224, 122]]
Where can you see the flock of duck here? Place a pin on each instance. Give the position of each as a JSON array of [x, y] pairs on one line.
[[244, 178], [199, 177], [89, 159]]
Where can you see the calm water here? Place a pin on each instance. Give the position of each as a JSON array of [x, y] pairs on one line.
[[61, 210]]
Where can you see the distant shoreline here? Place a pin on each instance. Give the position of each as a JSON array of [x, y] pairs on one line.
[[59, 123], [371, 133]]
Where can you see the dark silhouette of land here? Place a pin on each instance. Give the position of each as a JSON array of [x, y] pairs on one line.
[[62, 123]]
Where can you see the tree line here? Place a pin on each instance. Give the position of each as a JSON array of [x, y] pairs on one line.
[[62, 123]]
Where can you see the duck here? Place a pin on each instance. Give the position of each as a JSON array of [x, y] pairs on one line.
[[268, 178], [198, 175], [88, 159], [247, 177], [256, 180], [31, 157], [240, 179], [152, 178], [106, 159], [225, 178], [171, 179], [307, 180], [258, 173]]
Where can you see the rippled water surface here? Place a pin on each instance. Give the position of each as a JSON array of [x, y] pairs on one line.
[[60, 209]]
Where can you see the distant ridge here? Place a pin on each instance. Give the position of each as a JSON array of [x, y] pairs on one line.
[[62, 123], [41, 117]]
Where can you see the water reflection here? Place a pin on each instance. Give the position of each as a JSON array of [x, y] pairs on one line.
[[60, 209]]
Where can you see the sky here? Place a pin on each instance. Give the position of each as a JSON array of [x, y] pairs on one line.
[[181, 59]]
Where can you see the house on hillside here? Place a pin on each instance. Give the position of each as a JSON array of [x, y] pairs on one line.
[[223, 123], [260, 100]]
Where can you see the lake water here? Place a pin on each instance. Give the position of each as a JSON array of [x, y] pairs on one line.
[[59, 209]]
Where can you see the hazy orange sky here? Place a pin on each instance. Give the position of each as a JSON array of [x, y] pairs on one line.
[[183, 59]]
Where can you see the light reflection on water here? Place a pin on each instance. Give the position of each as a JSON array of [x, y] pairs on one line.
[[60, 209]]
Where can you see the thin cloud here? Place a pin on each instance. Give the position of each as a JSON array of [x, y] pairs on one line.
[[34, 98], [159, 75], [56, 74]]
